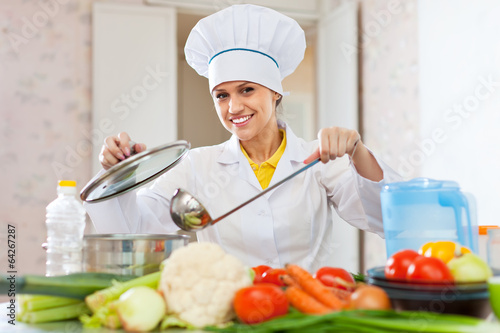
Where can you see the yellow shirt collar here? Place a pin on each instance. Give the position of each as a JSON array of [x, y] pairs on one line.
[[265, 171]]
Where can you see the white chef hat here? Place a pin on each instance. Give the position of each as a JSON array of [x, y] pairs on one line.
[[246, 43]]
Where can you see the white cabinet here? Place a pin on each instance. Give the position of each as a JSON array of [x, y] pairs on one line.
[[134, 74]]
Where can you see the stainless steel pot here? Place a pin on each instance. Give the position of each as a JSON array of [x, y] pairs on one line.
[[134, 254]]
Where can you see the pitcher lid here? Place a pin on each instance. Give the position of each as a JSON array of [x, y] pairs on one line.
[[421, 184]]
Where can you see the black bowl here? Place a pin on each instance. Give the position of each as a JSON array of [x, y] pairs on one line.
[[471, 299]]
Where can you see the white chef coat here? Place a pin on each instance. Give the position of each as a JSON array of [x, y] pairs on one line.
[[290, 224]]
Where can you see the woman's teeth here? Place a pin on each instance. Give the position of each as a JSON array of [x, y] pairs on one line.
[[240, 120]]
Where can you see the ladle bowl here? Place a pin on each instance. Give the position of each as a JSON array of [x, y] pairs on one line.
[[189, 214]]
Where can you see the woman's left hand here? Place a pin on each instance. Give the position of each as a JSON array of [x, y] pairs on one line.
[[335, 142]]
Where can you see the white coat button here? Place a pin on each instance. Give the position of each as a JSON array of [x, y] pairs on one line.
[[261, 212]]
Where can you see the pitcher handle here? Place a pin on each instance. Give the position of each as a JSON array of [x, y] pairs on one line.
[[470, 212], [459, 201]]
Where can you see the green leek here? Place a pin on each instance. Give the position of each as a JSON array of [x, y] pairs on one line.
[[363, 321], [76, 285], [42, 302], [65, 312]]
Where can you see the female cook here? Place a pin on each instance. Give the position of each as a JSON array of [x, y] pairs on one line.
[[246, 51]]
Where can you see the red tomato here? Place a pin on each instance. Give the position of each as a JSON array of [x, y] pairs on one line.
[[397, 265], [330, 277], [259, 270], [429, 269], [259, 303], [273, 276], [159, 246]]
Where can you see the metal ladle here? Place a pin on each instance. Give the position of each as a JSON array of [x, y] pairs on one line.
[[190, 215]]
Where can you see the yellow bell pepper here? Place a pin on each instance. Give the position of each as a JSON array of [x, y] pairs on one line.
[[444, 250]]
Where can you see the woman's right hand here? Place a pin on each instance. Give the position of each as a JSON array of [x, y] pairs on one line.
[[116, 148]]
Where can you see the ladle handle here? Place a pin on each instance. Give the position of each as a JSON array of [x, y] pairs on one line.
[[267, 190]]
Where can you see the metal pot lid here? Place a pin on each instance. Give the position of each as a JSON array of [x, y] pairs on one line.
[[135, 171]]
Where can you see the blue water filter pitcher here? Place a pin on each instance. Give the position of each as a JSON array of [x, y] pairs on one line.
[[425, 210]]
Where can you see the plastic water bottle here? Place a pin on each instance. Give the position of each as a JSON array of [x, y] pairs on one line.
[[65, 226]]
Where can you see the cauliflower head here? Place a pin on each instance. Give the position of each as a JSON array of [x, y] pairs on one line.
[[199, 282]]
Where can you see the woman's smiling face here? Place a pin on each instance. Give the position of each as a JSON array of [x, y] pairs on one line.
[[244, 108]]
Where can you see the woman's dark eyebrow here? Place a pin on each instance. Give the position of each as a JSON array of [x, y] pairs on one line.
[[239, 86]]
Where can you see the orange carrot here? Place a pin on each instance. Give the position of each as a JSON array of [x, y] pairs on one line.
[[304, 302], [342, 294], [314, 287], [286, 279]]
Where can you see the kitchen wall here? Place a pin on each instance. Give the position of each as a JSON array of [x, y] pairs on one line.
[[389, 99], [459, 99], [45, 104], [45, 99]]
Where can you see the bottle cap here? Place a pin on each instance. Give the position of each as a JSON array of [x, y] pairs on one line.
[[483, 229], [70, 183], [66, 187]]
